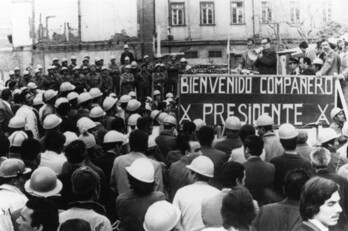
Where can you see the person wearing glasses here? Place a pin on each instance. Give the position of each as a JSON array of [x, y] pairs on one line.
[[266, 61]]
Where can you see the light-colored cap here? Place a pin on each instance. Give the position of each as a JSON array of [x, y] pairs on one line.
[[233, 123], [287, 131], [109, 102], [16, 139], [182, 60], [96, 112], [125, 99], [125, 46], [156, 92], [132, 94], [327, 134], [335, 111], [84, 124], [59, 101], [95, 92], [73, 57], [17, 122], [83, 97], [133, 119], [133, 105], [69, 137], [264, 120], [318, 61], [13, 167], [72, 95], [66, 86], [31, 86], [169, 95], [112, 57], [142, 169], [50, 94], [51, 121], [199, 123], [114, 136], [64, 60], [203, 166]]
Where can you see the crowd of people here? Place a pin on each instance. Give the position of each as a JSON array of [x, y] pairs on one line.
[[80, 152]]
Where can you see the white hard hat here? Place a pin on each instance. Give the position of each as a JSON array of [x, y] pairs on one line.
[[16, 122], [73, 57], [64, 60], [161, 216], [125, 99], [97, 59], [134, 64], [127, 66], [76, 68], [287, 131], [114, 136], [132, 120], [109, 102], [104, 68], [148, 107], [154, 114], [345, 129], [59, 101], [72, 95], [327, 134], [125, 46], [335, 111], [39, 66], [11, 72], [133, 105], [50, 94], [203, 166], [161, 117], [183, 60], [132, 94], [318, 61], [88, 139], [16, 139], [84, 124], [332, 40], [50, 67], [95, 92], [69, 137], [96, 112], [264, 120], [38, 100], [16, 69], [43, 183], [66, 86], [51, 121], [31, 85], [112, 57], [199, 123], [156, 92], [169, 95], [169, 120], [143, 170], [64, 69], [26, 72], [83, 97], [146, 56], [233, 123], [36, 70], [113, 95], [55, 59]]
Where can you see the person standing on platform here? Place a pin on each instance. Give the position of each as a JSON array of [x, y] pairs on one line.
[[266, 61]]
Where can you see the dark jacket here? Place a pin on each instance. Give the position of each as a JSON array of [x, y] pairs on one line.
[[267, 64], [5, 115], [259, 179], [166, 142]]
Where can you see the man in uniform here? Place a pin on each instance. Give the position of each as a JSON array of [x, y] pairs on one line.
[[72, 65], [52, 80], [115, 74], [93, 79], [125, 54], [173, 74], [107, 84]]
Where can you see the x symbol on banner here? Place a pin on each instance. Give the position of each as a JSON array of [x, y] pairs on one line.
[[185, 116], [322, 114]]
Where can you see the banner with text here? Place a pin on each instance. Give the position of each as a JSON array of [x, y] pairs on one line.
[[298, 100]]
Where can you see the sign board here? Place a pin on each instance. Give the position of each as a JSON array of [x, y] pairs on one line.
[[298, 100]]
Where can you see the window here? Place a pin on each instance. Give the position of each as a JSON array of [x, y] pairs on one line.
[[237, 12], [215, 54], [207, 13], [266, 12], [191, 54], [177, 11], [294, 11], [327, 11]]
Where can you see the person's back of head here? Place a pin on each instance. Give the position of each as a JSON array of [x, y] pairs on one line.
[[302, 137], [320, 157], [30, 149], [314, 194], [303, 45], [85, 184], [75, 225], [238, 209], [206, 135], [145, 123], [63, 109], [6, 94], [118, 124], [76, 152], [343, 171], [189, 127], [245, 131], [231, 174], [42, 214], [254, 145], [54, 141], [138, 141], [293, 183]]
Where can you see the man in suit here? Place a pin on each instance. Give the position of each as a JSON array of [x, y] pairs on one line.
[[259, 174], [5, 111]]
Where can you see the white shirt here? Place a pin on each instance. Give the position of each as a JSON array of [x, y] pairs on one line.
[[53, 161], [237, 155], [11, 199], [31, 122], [189, 201], [318, 224]]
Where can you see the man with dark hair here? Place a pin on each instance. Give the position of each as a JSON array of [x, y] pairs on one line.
[[247, 60], [4, 148], [332, 61], [6, 112], [319, 205], [288, 160], [266, 61], [138, 141], [206, 136], [52, 157], [30, 153], [179, 175], [284, 215], [38, 214], [305, 66], [86, 190], [259, 174]]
